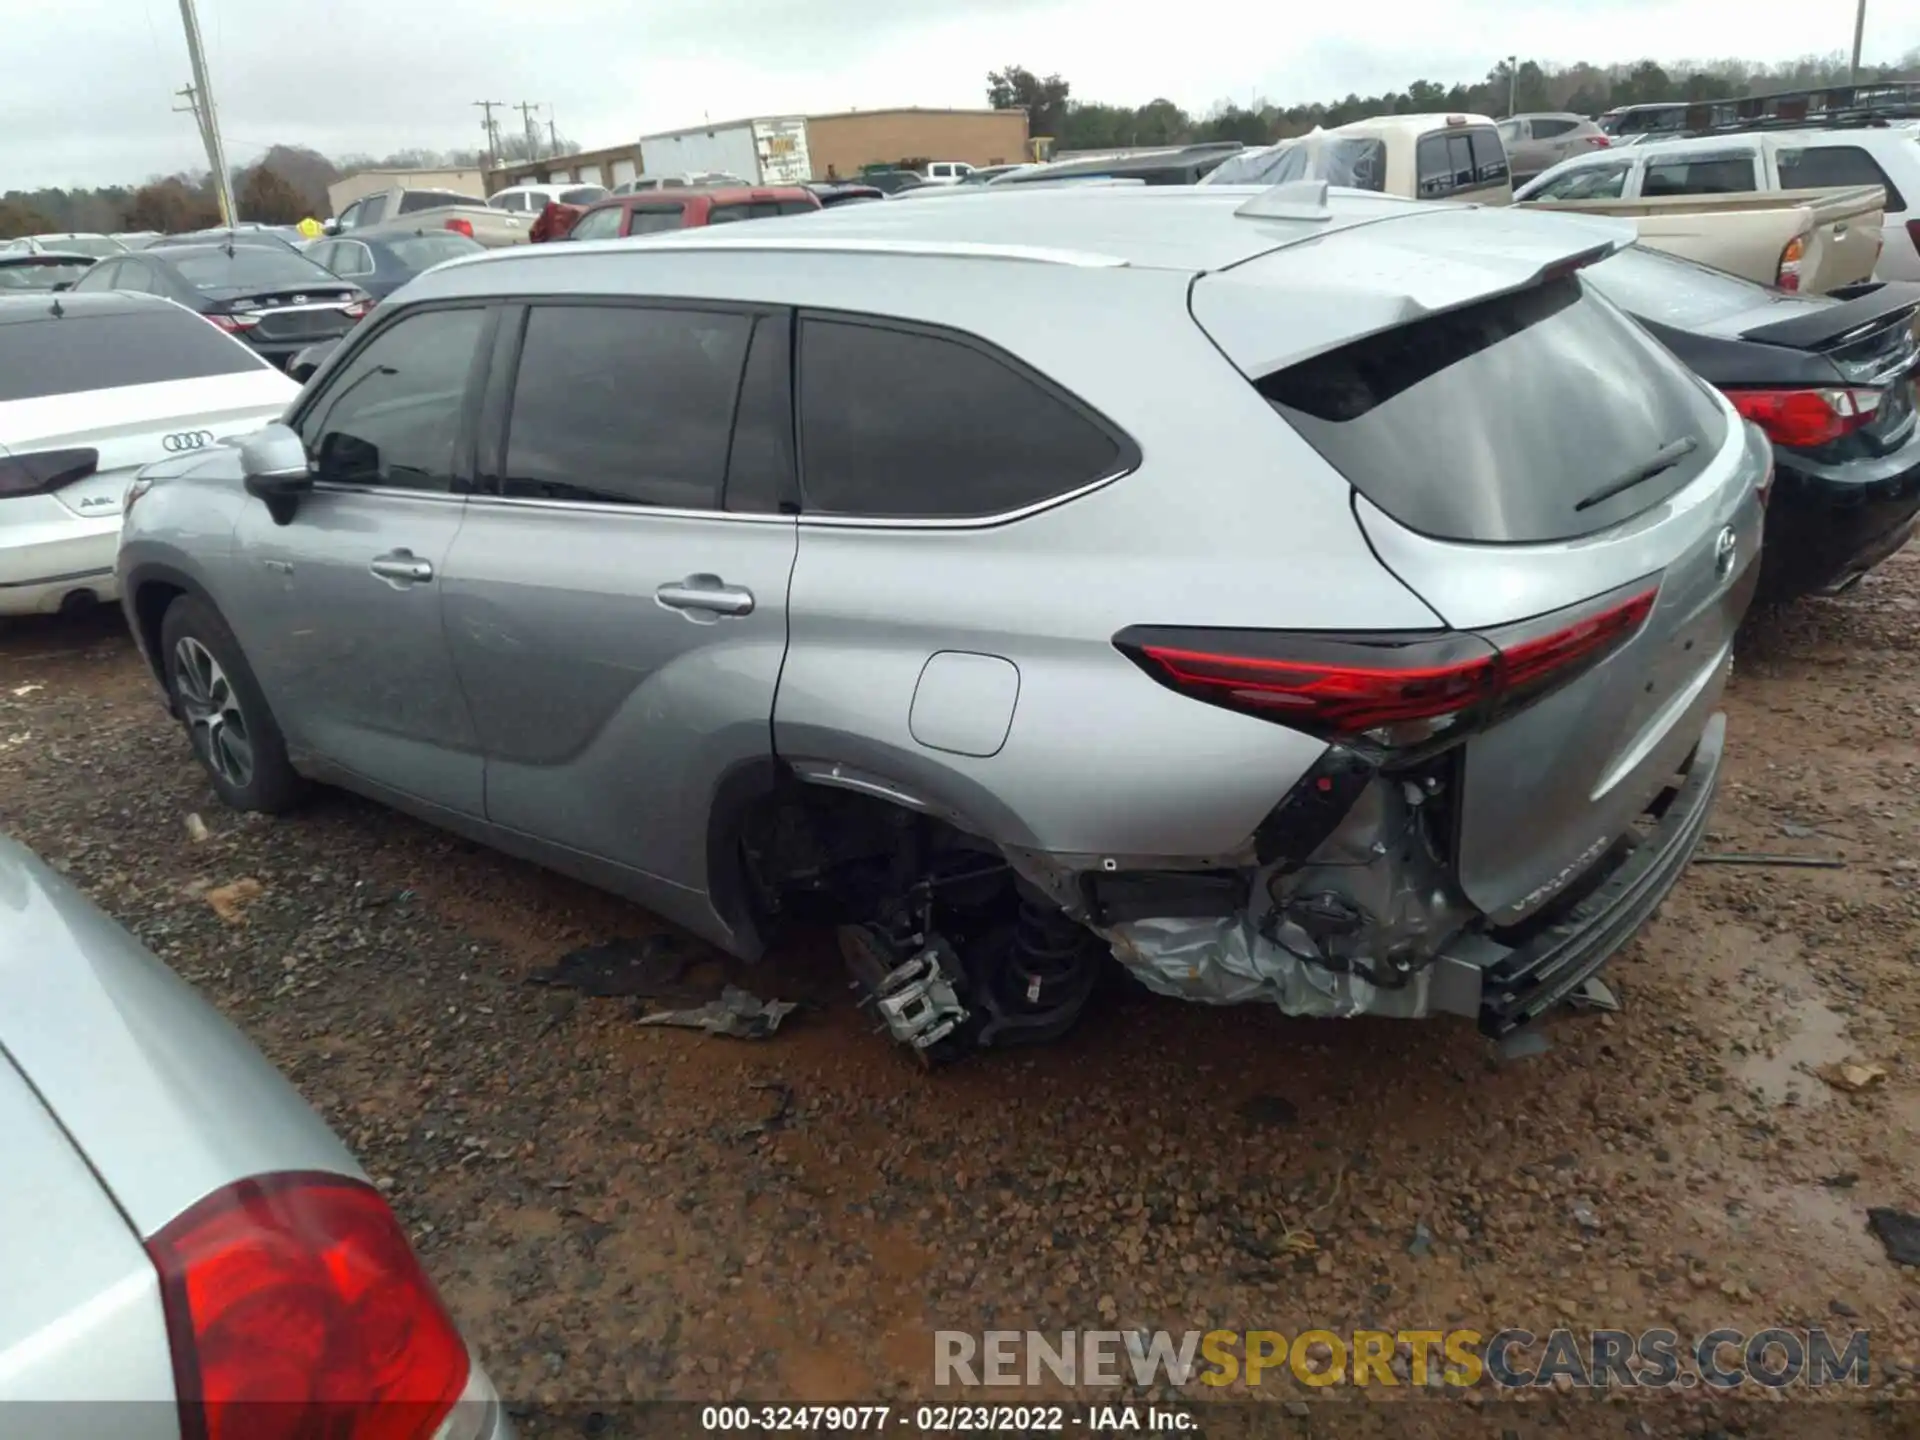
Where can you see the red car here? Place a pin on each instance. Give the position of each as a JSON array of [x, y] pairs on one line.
[[654, 210]]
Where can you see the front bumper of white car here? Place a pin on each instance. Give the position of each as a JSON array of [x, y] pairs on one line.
[[51, 557]]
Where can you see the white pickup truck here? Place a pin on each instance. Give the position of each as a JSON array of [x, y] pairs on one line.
[[401, 207]]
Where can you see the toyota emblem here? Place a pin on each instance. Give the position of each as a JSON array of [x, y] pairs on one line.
[[181, 441], [1724, 549]]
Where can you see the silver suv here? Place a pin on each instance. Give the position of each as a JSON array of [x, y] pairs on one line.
[[1319, 600]]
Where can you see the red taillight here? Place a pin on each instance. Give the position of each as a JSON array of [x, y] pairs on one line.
[[235, 324], [1385, 692], [1913, 233], [1802, 419], [1600, 142], [296, 1308], [1787, 276], [460, 226]]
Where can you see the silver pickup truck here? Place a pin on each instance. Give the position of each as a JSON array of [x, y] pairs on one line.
[[433, 210]]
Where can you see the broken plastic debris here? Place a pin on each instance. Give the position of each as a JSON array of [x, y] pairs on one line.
[[196, 829], [1899, 1233], [22, 691], [1852, 1078], [735, 1013]]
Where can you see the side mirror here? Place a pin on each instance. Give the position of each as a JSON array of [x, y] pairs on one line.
[[331, 226], [275, 469]]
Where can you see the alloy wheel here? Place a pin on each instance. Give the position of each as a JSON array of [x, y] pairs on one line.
[[212, 712]]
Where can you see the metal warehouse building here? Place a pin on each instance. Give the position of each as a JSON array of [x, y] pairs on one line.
[[809, 147]]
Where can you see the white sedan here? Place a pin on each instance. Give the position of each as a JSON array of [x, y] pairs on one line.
[[92, 387]]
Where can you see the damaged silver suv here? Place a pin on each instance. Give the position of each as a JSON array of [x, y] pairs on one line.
[[1303, 598]]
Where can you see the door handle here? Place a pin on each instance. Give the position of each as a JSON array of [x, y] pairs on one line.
[[706, 592], [402, 567]]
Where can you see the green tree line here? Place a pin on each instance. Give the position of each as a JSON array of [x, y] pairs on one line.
[[1588, 89]]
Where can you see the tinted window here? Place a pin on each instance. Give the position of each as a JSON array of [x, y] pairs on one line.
[[1672, 291], [1708, 175], [583, 195], [1501, 420], [1590, 182], [348, 257], [1489, 155], [652, 219], [414, 200], [421, 252], [627, 404], [756, 210], [597, 224], [103, 352], [1441, 171], [249, 267], [903, 423], [1547, 129], [373, 208], [391, 415], [1819, 166]]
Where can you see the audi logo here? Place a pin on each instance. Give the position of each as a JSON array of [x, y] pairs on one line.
[[184, 440]]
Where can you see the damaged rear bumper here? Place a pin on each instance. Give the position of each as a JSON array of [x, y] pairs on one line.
[[1514, 987], [1504, 982]]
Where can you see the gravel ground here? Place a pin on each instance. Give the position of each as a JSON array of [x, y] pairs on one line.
[[615, 1211]]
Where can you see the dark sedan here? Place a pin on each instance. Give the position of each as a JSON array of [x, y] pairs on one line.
[[277, 300], [276, 237], [41, 270], [1829, 378], [380, 263]]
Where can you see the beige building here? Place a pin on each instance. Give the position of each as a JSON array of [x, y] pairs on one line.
[[843, 143], [349, 188], [609, 167]]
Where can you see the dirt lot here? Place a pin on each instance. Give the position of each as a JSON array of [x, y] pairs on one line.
[[616, 1211]]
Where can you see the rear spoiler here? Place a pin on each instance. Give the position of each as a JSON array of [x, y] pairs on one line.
[[1864, 309]]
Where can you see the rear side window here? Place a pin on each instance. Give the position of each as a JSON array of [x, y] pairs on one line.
[[420, 252], [624, 404], [583, 195], [1445, 163], [1489, 155], [1544, 129], [906, 423], [1819, 166], [758, 210], [1507, 419], [103, 352], [652, 219], [1704, 175]]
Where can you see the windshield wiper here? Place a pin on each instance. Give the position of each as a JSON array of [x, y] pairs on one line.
[[1663, 460]]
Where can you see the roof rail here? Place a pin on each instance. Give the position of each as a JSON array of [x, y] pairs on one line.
[[1289, 200], [709, 243]]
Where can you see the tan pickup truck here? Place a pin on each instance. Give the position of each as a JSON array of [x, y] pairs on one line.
[[1812, 241], [401, 207]]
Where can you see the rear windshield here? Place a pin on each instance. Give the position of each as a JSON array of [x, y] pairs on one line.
[[1507, 420], [415, 200], [103, 352], [418, 252], [42, 275], [252, 267], [1671, 291], [98, 246]]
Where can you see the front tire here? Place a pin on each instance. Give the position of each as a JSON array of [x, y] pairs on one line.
[[227, 720]]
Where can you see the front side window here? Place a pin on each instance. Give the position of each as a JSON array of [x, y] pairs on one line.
[[349, 217], [1489, 156], [391, 416], [624, 404], [908, 424], [372, 210], [653, 219], [514, 200], [1589, 182], [350, 257], [1699, 175], [1510, 130]]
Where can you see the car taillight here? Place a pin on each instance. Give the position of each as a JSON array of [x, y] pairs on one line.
[[1600, 142], [41, 472], [235, 324], [1386, 694], [1802, 419], [1913, 233], [460, 226], [1788, 275], [295, 1307]]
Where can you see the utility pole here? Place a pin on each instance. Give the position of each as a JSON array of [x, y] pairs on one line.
[[208, 115], [531, 129], [1859, 32], [492, 129], [553, 134], [1513, 78]]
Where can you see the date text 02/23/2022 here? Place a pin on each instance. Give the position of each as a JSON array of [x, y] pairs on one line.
[[945, 1419]]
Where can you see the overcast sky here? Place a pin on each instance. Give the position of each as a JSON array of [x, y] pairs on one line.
[[88, 92]]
